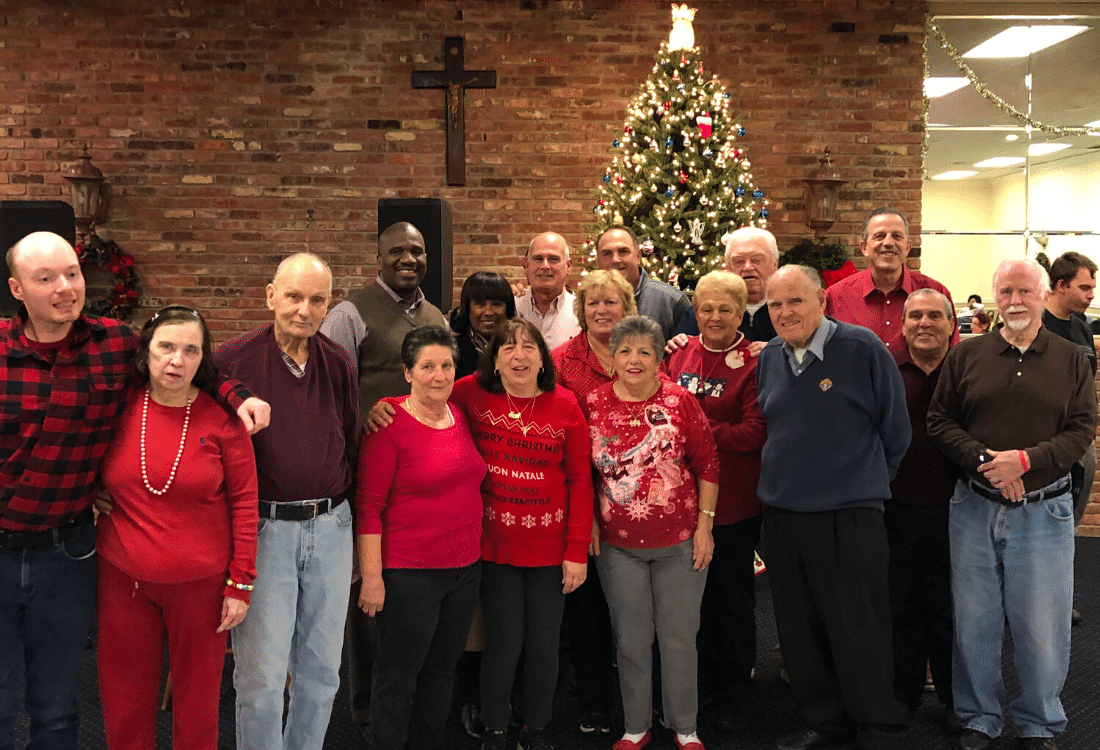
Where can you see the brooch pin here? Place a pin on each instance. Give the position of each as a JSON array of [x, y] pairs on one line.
[[825, 385]]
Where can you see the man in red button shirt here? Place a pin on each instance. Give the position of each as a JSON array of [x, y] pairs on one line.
[[875, 297]]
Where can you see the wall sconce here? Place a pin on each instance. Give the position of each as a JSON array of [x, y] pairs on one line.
[[86, 180], [821, 197]]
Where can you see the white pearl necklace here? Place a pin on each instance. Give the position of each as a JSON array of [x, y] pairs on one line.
[[179, 453]]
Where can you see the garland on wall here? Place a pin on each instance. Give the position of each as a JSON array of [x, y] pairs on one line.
[[123, 297], [981, 87]]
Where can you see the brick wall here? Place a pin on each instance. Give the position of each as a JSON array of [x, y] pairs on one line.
[[233, 133]]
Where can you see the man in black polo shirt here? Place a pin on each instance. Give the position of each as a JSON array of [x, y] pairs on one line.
[[1072, 282], [1014, 409]]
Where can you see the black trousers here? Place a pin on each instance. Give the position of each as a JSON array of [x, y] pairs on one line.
[[586, 628], [523, 610], [832, 611], [359, 642], [422, 630], [727, 628], [920, 599]]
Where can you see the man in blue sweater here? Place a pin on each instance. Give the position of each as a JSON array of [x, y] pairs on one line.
[[838, 428]]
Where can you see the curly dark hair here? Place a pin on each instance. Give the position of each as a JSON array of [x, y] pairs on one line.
[[488, 377]]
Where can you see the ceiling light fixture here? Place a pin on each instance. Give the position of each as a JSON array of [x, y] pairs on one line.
[[1000, 161], [1042, 149], [937, 87], [1021, 41], [954, 174]]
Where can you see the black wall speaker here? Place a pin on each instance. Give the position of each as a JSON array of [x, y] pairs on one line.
[[20, 218], [432, 216]]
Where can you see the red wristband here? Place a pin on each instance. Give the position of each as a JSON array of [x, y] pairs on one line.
[[1025, 461]]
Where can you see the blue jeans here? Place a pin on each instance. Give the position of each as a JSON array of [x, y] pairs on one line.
[[1014, 562], [47, 597], [295, 625]]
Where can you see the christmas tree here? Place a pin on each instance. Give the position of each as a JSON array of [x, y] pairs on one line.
[[678, 178]]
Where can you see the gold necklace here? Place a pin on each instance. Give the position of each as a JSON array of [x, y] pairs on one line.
[[517, 414], [447, 421]]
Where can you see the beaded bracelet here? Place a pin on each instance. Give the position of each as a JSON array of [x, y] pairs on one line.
[[707, 512], [241, 586]]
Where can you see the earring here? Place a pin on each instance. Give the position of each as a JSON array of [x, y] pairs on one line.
[[496, 372], [542, 370]]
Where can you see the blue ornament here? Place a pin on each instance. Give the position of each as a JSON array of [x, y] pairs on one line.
[[708, 153], [763, 212], [739, 191], [758, 194], [595, 209], [668, 142], [607, 178], [668, 193], [681, 88], [740, 131], [615, 143], [726, 96]]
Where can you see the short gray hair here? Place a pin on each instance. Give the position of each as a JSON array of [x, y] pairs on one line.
[[1030, 263], [639, 325], [938, 296], [745, 234]]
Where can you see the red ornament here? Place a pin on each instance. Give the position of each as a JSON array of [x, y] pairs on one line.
[[683, 177], [668, 106], [706, 126], [676, 75], [628, 130], [683, 61]]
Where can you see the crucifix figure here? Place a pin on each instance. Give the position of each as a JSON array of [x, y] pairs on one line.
[[454, 80]]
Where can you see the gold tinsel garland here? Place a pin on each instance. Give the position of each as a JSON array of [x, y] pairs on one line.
[[995, 100]]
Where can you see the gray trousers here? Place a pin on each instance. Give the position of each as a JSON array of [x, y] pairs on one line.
[[655, 590]]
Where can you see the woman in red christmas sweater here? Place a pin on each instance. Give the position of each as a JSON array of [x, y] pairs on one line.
[[658, 470], [538, 503], [177, 553], [719, 369]]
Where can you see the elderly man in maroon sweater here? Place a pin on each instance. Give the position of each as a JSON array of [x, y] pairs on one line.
[[305, 461], [916, 516]]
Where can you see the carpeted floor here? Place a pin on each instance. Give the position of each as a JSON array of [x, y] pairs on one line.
[[772, 710]]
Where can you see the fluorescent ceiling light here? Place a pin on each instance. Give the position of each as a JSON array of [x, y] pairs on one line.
[[936, 87], [1041, 149], [1021, 41], [1012, 137], [954, 174], [1001, 161], [1093, 124]]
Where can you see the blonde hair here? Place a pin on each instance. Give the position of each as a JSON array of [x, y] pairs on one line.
[[603, 280], [723, 282]]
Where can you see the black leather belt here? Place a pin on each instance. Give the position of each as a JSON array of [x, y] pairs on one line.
[[298, 512], [1060, 487], [25, 540]]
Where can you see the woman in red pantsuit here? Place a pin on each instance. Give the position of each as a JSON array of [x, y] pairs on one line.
[[178, 548]]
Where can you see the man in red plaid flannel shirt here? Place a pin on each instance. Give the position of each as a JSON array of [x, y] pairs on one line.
[[62, 386]]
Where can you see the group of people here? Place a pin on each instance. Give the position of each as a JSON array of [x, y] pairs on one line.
[[589, 469]]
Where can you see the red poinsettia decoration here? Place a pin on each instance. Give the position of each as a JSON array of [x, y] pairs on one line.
[[106, 254]]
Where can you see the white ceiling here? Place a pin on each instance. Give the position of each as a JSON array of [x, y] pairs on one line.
[[1065, 91]]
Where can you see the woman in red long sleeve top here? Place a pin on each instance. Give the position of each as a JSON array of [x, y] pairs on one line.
[[178, 549], [718, 367], [418, 511]]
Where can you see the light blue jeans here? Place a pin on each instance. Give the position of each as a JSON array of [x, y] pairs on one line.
[[295, 625], [1014, 562]]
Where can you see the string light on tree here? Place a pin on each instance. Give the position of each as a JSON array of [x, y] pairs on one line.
[[677, 163]]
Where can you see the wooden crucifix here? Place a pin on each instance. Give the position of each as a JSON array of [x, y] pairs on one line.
[[454, 81]]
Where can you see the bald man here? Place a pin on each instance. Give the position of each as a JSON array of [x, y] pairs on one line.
[[370, 325], [546, 302], [305, 461], [65, 376]]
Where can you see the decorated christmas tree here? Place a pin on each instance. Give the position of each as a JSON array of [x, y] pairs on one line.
[[678, 179]]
